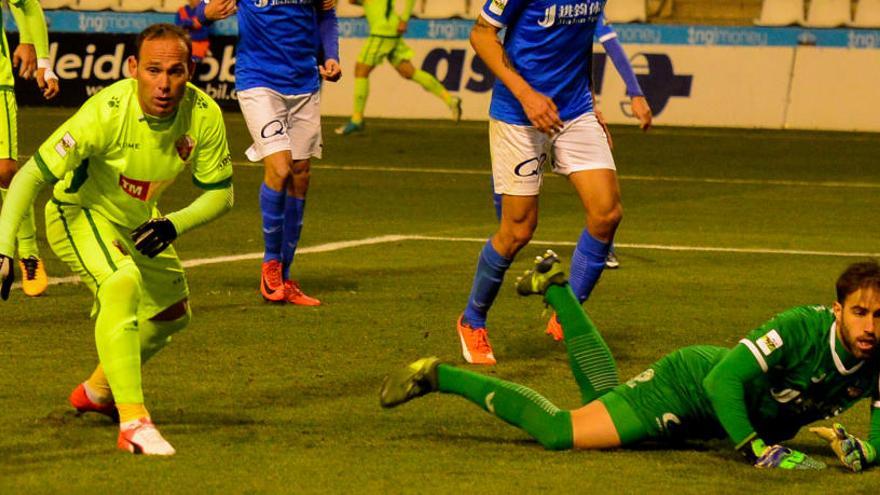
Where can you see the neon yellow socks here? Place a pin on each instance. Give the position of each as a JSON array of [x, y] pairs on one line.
[[432, 85], [361, 92]]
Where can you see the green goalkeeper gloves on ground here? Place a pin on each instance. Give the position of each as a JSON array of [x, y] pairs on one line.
[[854, 453], [777, 456]]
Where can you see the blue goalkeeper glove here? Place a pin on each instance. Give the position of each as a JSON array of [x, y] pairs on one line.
[[853, 453], [154, 236], [7, 276], [777, 456]]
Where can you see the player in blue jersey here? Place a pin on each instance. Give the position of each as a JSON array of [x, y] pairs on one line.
[[606, 35], [541, 102], [284, 49]]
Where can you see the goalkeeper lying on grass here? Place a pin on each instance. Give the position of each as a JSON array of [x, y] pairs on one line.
[[806, 364]]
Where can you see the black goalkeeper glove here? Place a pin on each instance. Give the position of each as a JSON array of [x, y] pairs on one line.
[[7, 276], [153, 236]]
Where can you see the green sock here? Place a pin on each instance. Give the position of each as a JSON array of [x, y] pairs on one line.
[[116, 334], [27, 232], [432, 85], [591, 361], [154, 335], [361, 92], [515, 404]]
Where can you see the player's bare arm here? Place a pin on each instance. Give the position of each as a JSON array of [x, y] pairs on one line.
[[540, 109], [216, 10]]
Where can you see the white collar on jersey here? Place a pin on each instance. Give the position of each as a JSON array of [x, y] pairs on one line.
[[832, 341]]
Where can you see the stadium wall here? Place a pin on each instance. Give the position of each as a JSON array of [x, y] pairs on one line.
[[692, 75]]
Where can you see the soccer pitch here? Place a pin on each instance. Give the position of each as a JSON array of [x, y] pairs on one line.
[[721, 230]]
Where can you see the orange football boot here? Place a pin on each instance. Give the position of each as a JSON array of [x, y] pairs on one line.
[[271, 282], [33, 276], [295, 295], [79, 399], [475, 345]]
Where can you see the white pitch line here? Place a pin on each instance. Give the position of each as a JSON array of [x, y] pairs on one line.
[[640, 178], [370, 241]]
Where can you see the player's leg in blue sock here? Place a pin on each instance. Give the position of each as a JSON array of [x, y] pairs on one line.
[[587, 264], [272, 208], [490, 273], [294, 208]]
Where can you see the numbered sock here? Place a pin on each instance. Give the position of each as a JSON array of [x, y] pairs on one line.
[[591, 361], [515, 404], [272, 208], [361, 92], [27, 232], [487, 281], [432, 85], [294, 208], [587, 264]]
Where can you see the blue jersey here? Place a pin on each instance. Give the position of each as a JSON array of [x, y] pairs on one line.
[[278, 46], [549, 43]]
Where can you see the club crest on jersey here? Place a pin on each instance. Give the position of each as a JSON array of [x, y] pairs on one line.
[[497, 6], [64, 144], [185, 146], [769, 342]]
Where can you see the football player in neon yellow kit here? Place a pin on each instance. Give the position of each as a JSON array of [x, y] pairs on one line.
[[31, 57], [387, 28], [110, 163]]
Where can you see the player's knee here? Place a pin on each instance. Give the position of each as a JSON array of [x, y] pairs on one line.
[[121, 287], [301, 168], [558, 436], [607, 220]]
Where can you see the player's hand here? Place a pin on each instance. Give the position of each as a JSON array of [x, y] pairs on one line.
[[402, 26], [328, 4], [330, 71], [153, 236], [7, 276], [779, 457], [854, 453], [601, 119], [642, 111], [216, 10], [25, 58], [47, 81], [542, 112]]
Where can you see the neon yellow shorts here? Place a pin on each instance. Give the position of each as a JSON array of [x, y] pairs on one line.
[[8, 124], [378, 48], [94, 248]]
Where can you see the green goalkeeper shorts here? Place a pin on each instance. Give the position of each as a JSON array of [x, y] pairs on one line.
[[8, 125], [666, 402], [378, 48], [94, 248]]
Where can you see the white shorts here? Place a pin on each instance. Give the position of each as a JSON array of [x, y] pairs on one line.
[[280, 122], [520, 152]]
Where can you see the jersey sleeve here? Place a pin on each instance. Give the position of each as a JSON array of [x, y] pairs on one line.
[[31, 24], [81, 136], [779, 342], [500, 13], [604, 31], [212, 164]]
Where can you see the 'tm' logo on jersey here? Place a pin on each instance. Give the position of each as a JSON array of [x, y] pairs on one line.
[[497, 6], [138, 189], [769, 342]]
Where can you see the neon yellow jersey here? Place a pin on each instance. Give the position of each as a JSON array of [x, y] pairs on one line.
[[112, 158], [382, 16]]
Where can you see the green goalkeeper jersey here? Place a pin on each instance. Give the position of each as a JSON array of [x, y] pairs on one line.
[[32, 30], [789, 372], [383, 18], [112, 158]]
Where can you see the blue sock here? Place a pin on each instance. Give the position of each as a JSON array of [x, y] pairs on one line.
[[293, 224], [587, 264], [487, 281], [272, 208]]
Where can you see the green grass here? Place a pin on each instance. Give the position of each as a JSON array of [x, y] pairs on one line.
[[261, 398]]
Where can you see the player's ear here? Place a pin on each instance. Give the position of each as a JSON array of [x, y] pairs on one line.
[[837, 308], [132, 66], [191, 66]]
